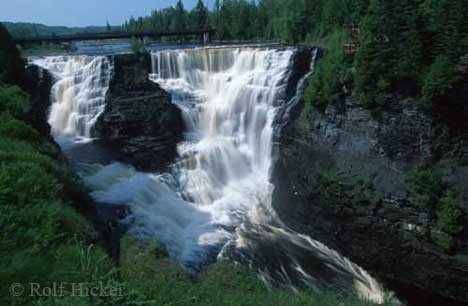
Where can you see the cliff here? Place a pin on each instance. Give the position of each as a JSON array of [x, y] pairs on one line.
[[139, 121], [38, 83], [386, 188]]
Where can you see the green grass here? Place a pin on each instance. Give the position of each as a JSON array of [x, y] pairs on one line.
[[13, 101], [164, 282], [36, 218]]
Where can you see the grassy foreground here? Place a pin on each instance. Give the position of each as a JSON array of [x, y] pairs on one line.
[[50, 253], [148, 277]]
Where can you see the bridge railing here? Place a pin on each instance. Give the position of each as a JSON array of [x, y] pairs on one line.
[[111, 35]]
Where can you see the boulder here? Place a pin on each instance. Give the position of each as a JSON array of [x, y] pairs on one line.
[[139, 121]]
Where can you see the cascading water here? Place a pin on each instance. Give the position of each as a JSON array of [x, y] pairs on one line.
[[78, 95], [216, 199], [227, 97]]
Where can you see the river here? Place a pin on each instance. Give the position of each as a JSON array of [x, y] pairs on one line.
[[214, 202]]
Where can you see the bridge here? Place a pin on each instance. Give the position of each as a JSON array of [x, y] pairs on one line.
[[204, 35]]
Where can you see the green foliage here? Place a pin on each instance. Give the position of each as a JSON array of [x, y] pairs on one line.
[[158, 249], [86, 266], [34, 219], [166, 283], [23, 182], [426, 190], [13, 151], [443, 240], [336, 189], [36, 227], [408, 47], [11, 64], [330, 185], [329, 73], [403, 46], [449, 214], [201, 15], [29, 30], [424, 186], [15, 129], [13, 100], [440, 78], [137, 45]]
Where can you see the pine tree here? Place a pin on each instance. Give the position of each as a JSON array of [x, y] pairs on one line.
[[374, 55], [215, 20], [180, 17], [201, 15], [406, 41]]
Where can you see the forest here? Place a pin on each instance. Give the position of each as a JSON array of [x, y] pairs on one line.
[[413, 47]]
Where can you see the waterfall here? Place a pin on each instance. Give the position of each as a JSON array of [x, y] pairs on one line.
[[78, 95], [228, 98], [215, 201], [228, 105]]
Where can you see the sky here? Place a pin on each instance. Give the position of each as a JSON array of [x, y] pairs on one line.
[[82, 12]]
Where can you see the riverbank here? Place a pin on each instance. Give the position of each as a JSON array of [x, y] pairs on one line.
[[46, 241]]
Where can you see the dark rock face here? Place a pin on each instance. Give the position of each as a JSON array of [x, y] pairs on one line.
[[340, 177], [300, 66], [39, 86], [38, 83], [139, 121]]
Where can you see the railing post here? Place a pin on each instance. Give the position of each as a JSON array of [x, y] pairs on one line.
[[206, 38]]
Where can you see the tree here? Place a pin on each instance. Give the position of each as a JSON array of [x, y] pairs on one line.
[[440, 78], [180, 17], [201, 15], [11, 64], [293, 29]]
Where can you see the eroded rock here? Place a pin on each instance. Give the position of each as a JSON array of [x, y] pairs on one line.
[[139, 121]]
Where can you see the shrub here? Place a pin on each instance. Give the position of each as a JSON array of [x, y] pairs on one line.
[[443, 240], [424, 186], [33, 227], [449, 214], [440, 78], [137, 46], [15, 129], [13, 100], [11, 64], [26, 182], [166, 283], [329, 73], [18, 151]]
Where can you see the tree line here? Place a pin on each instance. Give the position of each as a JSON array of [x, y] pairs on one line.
[[411, 46]]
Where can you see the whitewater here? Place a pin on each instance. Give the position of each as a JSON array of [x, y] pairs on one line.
[[214, 202]]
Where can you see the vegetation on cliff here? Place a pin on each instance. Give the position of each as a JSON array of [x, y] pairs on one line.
[[412, 47], [426, 190], [36, 215], [51, 255]]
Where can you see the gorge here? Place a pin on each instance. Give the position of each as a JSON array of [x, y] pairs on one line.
[[214, 199], [234, 152], [216, 156]]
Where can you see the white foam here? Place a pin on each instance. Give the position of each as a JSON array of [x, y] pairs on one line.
[[78, 95]]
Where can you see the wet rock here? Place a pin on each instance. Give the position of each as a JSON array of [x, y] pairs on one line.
[[139, 121], [40, 83], [366, 157]]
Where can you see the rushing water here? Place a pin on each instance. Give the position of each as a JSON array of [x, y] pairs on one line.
[[78, 95], [216, 199]]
